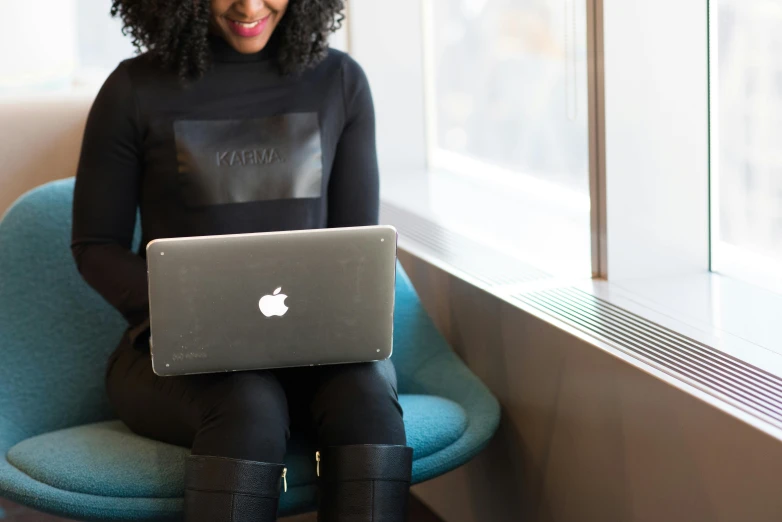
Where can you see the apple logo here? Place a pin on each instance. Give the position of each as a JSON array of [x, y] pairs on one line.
[[273, 304]]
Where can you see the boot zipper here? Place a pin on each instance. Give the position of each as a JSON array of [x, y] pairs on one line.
[[284, 480], [317, 463]]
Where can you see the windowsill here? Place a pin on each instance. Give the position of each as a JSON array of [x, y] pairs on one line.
[[438, 216], [55, 96], [85, 85]]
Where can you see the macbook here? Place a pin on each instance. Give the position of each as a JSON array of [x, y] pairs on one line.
[[271, 300]]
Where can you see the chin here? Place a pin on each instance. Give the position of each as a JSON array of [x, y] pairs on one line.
[[245, 45]]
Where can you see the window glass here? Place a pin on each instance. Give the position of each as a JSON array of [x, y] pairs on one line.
[[746, 137], [75, 45], [510, 86], [508, 120]]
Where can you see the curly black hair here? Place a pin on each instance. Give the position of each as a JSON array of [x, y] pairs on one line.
[[175, 32]]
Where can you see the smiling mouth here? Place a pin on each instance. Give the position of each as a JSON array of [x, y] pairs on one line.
[[248, 25]]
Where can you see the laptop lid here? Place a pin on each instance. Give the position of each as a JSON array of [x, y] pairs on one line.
[[271, 300]]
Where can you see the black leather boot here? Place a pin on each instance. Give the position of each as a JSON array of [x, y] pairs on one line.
[[219, 489], [364, 483]]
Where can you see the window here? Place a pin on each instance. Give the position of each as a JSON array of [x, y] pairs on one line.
[[74, 46], [508, 122], [746, 137]]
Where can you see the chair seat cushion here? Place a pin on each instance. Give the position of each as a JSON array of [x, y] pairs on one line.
[[107, 459]]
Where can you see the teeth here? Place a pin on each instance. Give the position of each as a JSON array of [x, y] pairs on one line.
[[248, 25]]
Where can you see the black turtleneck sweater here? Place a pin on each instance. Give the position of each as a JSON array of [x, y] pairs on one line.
[[243, 149]]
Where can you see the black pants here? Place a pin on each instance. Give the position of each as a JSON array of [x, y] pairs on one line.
[[249, 415]]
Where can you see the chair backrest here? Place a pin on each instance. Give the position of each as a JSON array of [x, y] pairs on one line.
[[56, 332]]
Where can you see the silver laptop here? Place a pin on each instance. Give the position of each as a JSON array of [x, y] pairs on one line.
[[271, 300]]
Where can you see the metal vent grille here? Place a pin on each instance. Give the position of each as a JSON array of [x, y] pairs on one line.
[[752, 389], [492, 268]]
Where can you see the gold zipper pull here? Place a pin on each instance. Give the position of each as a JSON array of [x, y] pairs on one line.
[[317, 463], [284, 480]]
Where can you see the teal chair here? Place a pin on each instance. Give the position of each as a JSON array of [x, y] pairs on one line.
[[61, 451]]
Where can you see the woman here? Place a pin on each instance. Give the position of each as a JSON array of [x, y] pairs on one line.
[[230, 65]]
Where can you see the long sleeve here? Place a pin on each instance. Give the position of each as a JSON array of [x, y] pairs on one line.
[[353, 192], [106, 200]]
